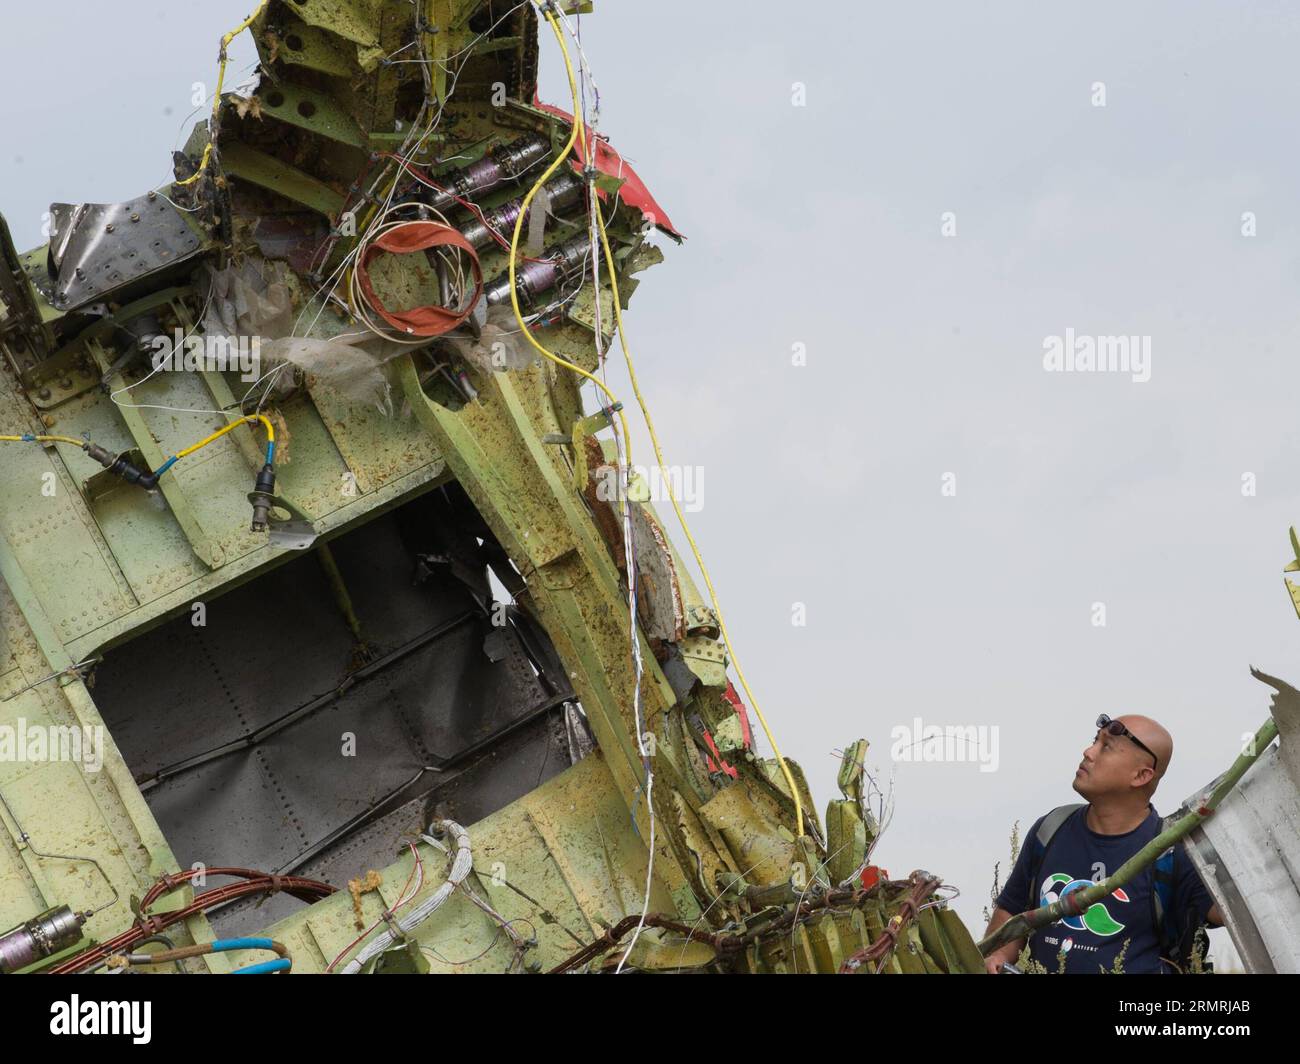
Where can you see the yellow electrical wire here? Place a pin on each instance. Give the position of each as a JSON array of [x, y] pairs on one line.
[[42, 439], [574, 133], [681, 517], [216, 100], [645, 411], [247, 420]]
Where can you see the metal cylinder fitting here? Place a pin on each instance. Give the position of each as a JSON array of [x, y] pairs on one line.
[[563, 262], [562, 191], [41, 936], [492, 171]]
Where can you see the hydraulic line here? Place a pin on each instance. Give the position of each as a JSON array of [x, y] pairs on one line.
[[284, 962], [26, 840], [148, 925]]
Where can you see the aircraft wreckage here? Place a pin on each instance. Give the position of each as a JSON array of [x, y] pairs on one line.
[[270, 427], [267, 431]]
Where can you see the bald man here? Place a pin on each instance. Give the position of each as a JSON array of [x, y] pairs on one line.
[[1074, 846]]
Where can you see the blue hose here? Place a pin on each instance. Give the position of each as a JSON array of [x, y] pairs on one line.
[[221, 945], [283, 964], [280, 964]]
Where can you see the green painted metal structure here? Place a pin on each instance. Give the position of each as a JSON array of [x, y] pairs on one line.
[[88, 563]]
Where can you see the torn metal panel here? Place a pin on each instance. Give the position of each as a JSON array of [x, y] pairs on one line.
[[1248, 853], [98, 249], [631, 190]]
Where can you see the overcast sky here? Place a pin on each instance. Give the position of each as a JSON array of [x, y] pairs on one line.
[[822, 225]]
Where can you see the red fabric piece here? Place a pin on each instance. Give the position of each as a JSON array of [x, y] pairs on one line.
[[748, 736], [731, 696], [633, 191], [713, 765], [403, 240]]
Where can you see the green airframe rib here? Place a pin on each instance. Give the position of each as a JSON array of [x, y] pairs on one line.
[[265, 171], [316, 112]]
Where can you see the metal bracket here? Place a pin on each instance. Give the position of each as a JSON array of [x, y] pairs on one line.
[[296, 533]]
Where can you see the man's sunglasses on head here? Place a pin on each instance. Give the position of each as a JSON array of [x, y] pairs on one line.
[[1114, 727]]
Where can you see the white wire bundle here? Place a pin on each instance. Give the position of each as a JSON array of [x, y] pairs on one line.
[[590, 122], [461, 865]]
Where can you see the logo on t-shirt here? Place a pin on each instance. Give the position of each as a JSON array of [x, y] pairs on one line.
[[1096, 919]]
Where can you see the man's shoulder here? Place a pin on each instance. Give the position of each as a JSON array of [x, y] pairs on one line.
[[1047, 825]]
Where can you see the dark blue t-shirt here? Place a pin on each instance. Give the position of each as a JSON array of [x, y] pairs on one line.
[[1077, 857]]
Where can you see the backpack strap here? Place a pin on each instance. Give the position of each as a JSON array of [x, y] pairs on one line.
[[1047, 829], [1052, 823]]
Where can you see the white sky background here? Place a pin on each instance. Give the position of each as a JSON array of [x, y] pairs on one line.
[[820, 225]]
